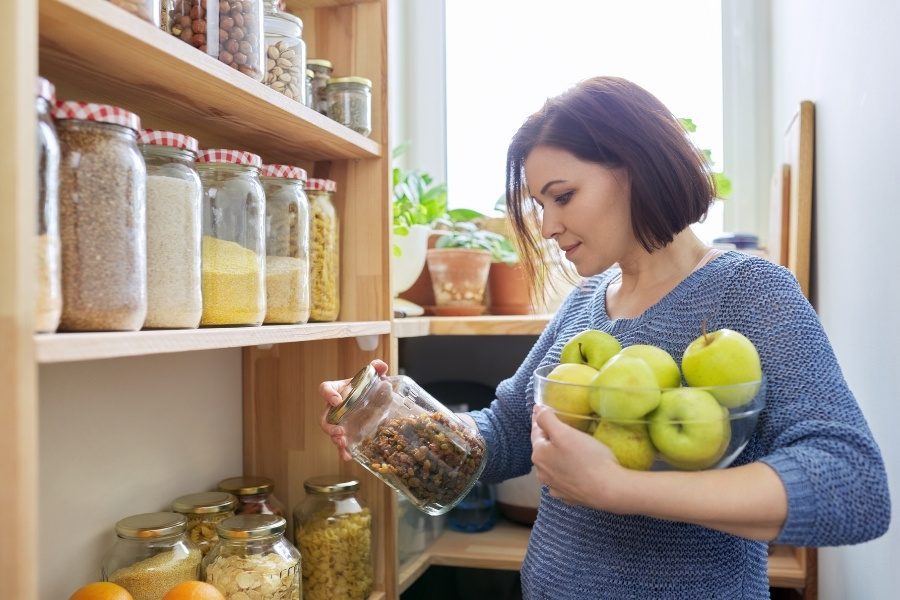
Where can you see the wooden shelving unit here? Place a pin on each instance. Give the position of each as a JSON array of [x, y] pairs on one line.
[[485, 325]]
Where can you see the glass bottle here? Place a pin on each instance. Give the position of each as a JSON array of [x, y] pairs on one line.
[[409, 440], [174, 195], [324, 251], [48, 303], [102, 203], [148, 10], [233, 247], [287, 244], [285, 55], [349, 102], [322, 70], [254, 495], [333, 531], [203, 512]]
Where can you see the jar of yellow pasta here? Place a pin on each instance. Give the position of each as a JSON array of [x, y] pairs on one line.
[[334, 534], [324, 251]]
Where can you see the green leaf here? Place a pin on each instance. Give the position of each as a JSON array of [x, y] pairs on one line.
[[723, 185], [464, 214], [688, 124], [396, 250]]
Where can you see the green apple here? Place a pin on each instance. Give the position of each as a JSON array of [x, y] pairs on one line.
[[568, 393], [690, 429], [629, 442], [723, 358], [664, 366], [590, 347], [626, 389]]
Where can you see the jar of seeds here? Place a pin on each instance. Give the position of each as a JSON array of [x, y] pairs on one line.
[[151, 555], [322, 70], [254, 495], [148, 10], [324, 251], [48, 303], [285, 55], [174, 195], [102, 197], [287, 244], [203, 512], [233, 247], [349, 102], [253, 560]]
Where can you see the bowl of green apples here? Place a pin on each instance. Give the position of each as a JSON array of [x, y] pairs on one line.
[[651, 413]]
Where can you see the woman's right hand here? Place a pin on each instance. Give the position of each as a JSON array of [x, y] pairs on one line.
[[331, 392]]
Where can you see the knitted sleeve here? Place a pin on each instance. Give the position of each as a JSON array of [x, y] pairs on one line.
[[812, 431]]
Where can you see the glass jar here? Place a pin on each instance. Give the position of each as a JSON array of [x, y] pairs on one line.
[[324, 251], [148, 10], [151, 555], [349, 102], [233, 33], [285, 55], [203, 512], [233, 247], [174, 195], [102, 196], [310, 96], [409, 440], [254, 495], [333, 531], [322, 70], [287, 244], [48, 303], [254, 560]]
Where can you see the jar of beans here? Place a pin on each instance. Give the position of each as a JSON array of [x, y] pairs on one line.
[[254, 495], [287, 244], [148, 10], [203, 512], [233, 247], [102, 195], [324, 251], [322, 71], [349, 102], [230, 30], [285, 55], [409, 440], [48, 304]]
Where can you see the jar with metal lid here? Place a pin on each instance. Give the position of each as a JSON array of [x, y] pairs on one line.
[[233, 247], [333, 531], [102, 200], [203, 512], [310, 96], [322, 70], [148, 10], [409, 440], [254, 495], [48, 303], [174, 195], [231, 32], [285, 55], [349, 102], [151, 555], [324, 251], [287, 244]]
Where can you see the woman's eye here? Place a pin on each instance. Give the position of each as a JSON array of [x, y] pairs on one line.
[[563, 198]]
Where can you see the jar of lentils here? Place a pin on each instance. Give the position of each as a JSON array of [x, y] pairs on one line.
[[48, 303], [148, 10], [285, 55], [254, 495], [322, 71], [203, 512], [324, 251], [349, 102], [102, 200]]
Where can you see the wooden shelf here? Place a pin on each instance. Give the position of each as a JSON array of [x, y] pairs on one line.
[[300, 4], [67, 347], [93, 50], [486, 325], [787, 566]]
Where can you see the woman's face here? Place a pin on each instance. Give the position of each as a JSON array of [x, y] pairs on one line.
[[586, 207]]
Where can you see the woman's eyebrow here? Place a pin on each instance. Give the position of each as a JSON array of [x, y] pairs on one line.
[[549, 183]]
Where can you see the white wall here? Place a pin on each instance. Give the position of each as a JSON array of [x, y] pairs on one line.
[[845, 56]]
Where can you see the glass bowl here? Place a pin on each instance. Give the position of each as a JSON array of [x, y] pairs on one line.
[[684, 429]]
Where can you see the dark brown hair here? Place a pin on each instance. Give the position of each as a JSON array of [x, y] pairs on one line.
[[615, 123]]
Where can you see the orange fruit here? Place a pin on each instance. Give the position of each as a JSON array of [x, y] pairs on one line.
[[101, 590], [193, 590]]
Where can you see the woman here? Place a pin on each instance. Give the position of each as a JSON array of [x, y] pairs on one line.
[[617, 184]]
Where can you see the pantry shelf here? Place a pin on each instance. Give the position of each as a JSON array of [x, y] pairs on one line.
[[297, 4], [95, 51], [485, 325]]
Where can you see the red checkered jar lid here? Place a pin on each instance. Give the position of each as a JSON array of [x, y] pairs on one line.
[[46, 90], [234, 157], [285, 171], [321, 185], [155, 137], [100, 113]]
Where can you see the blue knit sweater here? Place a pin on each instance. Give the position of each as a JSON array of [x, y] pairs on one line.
[[811, 433]]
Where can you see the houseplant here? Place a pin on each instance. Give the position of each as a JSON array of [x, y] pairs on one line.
[[459, 265]]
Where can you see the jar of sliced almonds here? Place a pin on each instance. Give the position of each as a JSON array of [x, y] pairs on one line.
[[203, 512]]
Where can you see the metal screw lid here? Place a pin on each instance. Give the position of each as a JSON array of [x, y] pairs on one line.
[[151, 525], [246, 486], [352, 393], [250, 527], [204, 503], [330, 484], [359, 80]]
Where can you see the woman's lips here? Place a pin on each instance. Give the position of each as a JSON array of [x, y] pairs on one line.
[[570, 249]]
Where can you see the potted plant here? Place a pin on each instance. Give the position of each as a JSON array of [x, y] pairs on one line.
[[508, 287], [459, 265]]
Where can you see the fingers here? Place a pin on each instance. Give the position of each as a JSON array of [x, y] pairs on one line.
[[549, 423], [380, 367]]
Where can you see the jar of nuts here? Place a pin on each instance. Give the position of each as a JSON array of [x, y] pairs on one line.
[[48, 304], [254, 495], [409, 440], [148, 10], [349, 102], [230, 30], [285, 55], [322, 71], [324, 251], [203, 512]]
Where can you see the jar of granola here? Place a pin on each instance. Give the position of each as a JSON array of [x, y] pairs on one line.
[[254, 495], [409, 440], [203, 512], [324, 251]]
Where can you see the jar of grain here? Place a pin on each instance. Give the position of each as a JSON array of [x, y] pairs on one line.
[[148, 10], [324, 251], [409, 440], [287, 244], [334, 534], [151, 555], [102, 198], [322, 70], [233, 247], [254, 495], [285, 55], [253, 556], [349, 102], [48, 302], [232, 31], [174, 194], [203, 512]]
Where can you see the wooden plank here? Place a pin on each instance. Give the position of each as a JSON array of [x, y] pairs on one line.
[[787, 566], [411, 327], [502, 548], [799, 151], [293, 5], [412, 569], [490, 325]]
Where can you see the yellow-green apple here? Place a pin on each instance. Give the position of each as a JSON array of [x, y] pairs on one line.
[[629, 442], [626, 389], [690, 429], [566, 390], [664, 366], [723, 358], [590, 347]]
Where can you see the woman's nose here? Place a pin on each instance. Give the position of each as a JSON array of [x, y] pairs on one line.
[[550, 227]]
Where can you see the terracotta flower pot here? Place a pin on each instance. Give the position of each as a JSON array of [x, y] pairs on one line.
[[459, 278], [508, 287]]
